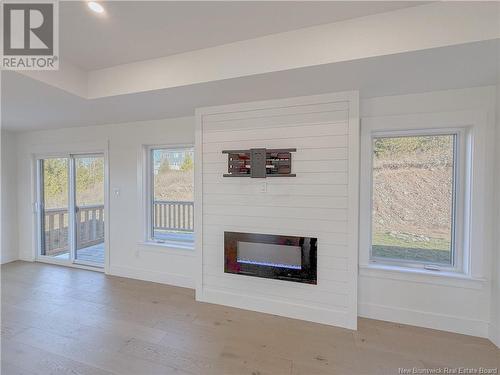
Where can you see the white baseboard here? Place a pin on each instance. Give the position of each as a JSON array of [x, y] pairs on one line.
[[153, 276], [425, 319], [9, 260], [494, 334], [290, 310], [26, 257]]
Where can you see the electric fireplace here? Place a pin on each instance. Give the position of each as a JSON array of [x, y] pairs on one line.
[[271, 256]]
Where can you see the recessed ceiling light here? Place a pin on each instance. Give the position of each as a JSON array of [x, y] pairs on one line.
[[95, 7]]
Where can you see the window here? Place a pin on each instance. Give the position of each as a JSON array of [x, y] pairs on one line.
[[171, 195], [414, 191]]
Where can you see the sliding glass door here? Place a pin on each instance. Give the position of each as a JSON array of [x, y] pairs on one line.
[[89, 209], [71, 209], [54, 208]]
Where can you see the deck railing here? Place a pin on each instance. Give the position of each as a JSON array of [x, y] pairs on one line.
[[89, 228], [168, 215], [90, 225], [173, 215], [56, 231]]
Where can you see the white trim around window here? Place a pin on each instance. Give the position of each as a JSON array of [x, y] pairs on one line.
[[465, 125], [146, 191]]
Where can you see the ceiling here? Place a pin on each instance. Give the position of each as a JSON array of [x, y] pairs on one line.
[[131, 31], [466, 65]]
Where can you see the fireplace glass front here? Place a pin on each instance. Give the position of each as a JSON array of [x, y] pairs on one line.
[[271, 256]]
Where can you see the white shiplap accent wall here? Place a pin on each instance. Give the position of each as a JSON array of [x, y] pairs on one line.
[[322, 201]]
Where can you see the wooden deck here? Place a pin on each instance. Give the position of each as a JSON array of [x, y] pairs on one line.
[[89, 254], [95, 253]]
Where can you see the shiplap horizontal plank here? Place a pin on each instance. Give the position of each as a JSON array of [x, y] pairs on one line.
[[335, 128], [276, 291], [334, 153], [278, 221], [336, 215], [336, 306], [334, 263], [329, 286], [264, 199], [297, 166], [264, 113], [301, 166], [245, 187], [338, 153], [328, 243], [290, 121], [330, 178], [310, 142]]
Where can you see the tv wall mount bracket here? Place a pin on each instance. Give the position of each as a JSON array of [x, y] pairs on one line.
[[259, 163]]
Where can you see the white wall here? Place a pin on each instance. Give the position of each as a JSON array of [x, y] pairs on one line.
[[455, 304], [9, 250], [321, 202], [460, 306], [495, 290], [128, 257]]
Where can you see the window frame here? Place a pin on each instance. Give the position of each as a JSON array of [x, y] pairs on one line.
[[455, 249], [149, 196], [461, 200]]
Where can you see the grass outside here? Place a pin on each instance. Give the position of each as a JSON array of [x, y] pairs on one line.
[[411, 248]]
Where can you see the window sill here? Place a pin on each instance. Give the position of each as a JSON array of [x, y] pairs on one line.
[[443, 278], [180, 248]]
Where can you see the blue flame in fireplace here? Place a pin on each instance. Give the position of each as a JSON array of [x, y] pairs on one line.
[[279, 265]]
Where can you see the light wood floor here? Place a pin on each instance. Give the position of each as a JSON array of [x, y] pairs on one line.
[[58, 320]]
